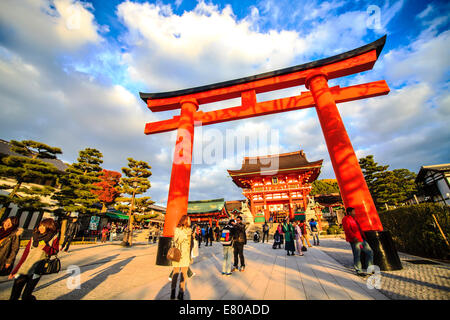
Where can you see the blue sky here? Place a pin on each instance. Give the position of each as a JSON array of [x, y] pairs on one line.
[[71, 71]]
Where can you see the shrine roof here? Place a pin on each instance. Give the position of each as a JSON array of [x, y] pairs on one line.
[[376, 45], [275, 163], [206, 206]]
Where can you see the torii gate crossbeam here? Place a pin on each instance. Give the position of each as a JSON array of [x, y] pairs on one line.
[[314, 76]]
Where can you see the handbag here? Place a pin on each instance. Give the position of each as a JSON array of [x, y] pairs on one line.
[[50, 266], [174, 254]]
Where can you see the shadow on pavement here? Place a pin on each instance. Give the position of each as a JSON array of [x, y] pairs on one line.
[[100, 277], [88, 267]]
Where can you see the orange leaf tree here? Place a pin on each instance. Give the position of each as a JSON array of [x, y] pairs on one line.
[[107, 192]]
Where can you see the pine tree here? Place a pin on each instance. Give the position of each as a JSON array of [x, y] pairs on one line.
[[387, 187], [134, 183], [324, 186], [78, 183], [29, 167]]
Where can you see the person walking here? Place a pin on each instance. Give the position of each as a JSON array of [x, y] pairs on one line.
[[104, 234], [314, 231], [217, 233], [227, 242], [112, 232], [305, 239], [28, 271], [209, 235], [265, 229], [280, 232], [70, 234], [198, 235], [298, 238], [355, 236], [183, 240], [204, 236], [288, 230], [239, 240], [9, 244]]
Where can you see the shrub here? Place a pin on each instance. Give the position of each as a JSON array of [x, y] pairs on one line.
[[413, 229], [334, 230]]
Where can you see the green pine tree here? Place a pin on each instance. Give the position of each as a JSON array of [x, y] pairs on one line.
[[324, 186], [77, 184], [135, 182], [387, 187], [28, 168]]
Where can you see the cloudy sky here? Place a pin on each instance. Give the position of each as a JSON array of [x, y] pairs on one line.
[[71, 73]]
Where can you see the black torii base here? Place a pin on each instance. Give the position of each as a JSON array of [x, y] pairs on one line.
[[385, 254], [164, 244]]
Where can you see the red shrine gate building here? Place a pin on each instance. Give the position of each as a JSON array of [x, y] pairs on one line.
[[277, 186]]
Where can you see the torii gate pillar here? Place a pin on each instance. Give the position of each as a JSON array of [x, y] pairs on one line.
[[353, 186], [177, 201]]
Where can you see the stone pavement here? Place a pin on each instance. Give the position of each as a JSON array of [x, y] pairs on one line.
[[109, 271], [418, 280]]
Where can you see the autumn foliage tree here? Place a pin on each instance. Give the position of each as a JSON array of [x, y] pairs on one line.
[[107, 191]]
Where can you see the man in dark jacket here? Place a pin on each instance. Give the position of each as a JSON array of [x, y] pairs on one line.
[[239, 240], [71, 233], [265, 232], [209, 235]]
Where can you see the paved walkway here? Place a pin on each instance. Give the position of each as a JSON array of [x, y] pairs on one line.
[[109, 271], [269, 275]]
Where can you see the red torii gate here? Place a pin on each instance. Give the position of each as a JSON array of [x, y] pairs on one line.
[[314, 76]]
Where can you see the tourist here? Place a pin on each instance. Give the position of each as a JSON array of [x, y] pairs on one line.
[[217, 233], [305, 239], [198, 235], [104, 234], [209, 235], [113, 232], [298, 237], [9, 244], [355, 236], [71, 232], [239, 240], [280, 232], [227, 242], [183, 240], [276, 240], [288, 230], [28, 271], [204, 236], [314, 231], [265, 229]]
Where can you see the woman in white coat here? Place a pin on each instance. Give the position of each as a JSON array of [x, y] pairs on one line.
[[183, 240]]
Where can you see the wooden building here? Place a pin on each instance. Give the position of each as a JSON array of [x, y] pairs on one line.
[[277, 185], [207, 211]]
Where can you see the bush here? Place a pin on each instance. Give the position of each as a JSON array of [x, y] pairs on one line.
[[413, 229], [334, 230]]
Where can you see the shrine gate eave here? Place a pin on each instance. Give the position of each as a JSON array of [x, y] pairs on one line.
[[168, 104]]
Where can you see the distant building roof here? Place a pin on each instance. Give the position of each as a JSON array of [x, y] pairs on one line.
[[234, 205], [157, 208], [5, 149], [206, 206], [438, 168], [275, 164]]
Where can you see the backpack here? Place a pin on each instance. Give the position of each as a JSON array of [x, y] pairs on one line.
[[225, 237]]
